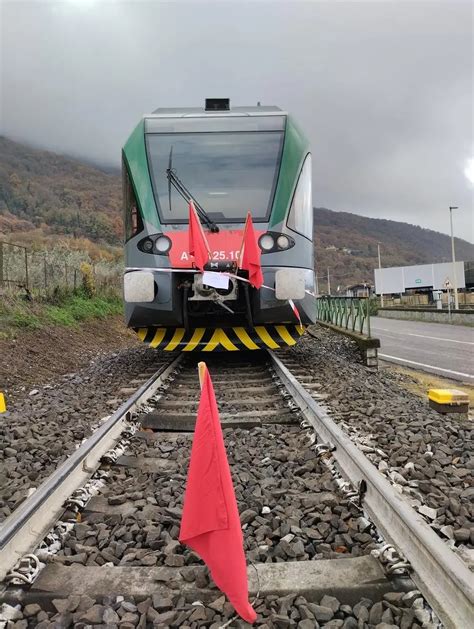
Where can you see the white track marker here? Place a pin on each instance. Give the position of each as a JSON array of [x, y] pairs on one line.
[[412, 362]]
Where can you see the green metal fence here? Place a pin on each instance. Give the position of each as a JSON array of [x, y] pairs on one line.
[[349, 313]]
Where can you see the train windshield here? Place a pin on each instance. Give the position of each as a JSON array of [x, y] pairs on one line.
[[227, 173]]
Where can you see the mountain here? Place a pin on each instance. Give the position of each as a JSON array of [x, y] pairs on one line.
[[57, 194], [43, 195], [347, 245]]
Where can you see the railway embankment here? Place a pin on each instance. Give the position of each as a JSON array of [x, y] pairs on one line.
[[36, 356]]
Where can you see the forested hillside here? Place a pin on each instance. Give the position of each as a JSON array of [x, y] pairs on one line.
[[347, 245], [57, 194], [43, 195]]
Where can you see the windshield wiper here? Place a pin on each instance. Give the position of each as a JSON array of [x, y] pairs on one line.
[[178, 185]]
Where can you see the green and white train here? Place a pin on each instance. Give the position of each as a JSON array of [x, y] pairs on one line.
[[228, 161]]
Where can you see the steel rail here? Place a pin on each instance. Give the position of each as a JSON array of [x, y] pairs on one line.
[[442, 577], [26, 526]]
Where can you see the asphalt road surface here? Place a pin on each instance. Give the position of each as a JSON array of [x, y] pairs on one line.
[[447, 350]]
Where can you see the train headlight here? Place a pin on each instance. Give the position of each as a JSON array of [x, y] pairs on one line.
[[266, 242], [274, 242], [283, 242], [147, 245], [300, 218], [157, 244], [162, 244]]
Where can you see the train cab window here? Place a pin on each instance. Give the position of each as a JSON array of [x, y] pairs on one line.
[[228, 173], [132, 217]]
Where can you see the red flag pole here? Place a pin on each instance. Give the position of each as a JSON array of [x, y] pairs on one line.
[[191, 203], [250, 254], [198, 245], [242, 246], [202, 372]]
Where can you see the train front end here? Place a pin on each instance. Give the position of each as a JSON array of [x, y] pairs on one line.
[[229, 162]]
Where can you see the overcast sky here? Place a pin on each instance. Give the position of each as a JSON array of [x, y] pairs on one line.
[[384, 90]]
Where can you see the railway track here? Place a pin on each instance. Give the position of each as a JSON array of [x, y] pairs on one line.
[[320, 551]]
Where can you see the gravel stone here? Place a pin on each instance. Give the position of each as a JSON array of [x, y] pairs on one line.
[[331, 602], [31, 610], [321, 613], [61, 604], [8, 612], [432, 514], [110, 616], [247, 516], [164, 618], [62, 621], [218, 604], [462, 535], [375, 614], [92, 616]]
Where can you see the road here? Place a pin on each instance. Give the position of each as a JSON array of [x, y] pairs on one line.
[[447, 350]]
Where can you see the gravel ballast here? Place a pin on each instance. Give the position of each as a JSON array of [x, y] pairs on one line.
[[49, 422], [291, 510], [428, 457], [289, 504], [397, 609]]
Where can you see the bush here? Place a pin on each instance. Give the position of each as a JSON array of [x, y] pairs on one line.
[[373, 307], [88, 281]]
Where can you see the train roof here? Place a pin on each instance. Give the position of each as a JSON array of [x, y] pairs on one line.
[[181, 112]]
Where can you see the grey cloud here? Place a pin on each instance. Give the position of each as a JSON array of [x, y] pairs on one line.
[[383, 89]]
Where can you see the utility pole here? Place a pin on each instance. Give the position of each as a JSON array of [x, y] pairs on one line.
[[455, 281], [329, 284], [380, 269]]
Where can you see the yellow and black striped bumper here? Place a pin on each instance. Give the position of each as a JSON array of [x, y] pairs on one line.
[[221, 339]]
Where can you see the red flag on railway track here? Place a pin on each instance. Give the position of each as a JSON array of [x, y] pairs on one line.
[[210, 524], [198, 245], [249, 259]]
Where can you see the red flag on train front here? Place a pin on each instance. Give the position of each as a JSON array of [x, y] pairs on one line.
[[250, 254], [198, 246], [210, 524]]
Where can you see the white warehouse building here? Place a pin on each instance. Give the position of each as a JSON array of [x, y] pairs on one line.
[[399, 279]]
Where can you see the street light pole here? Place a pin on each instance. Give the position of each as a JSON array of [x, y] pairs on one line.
[[329, 284], [380, 269], [455, 283]]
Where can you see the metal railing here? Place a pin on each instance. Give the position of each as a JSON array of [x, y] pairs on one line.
[[349, 313]]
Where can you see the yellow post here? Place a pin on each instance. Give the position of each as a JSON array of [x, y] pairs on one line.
[[3, 406], [202, 372]]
